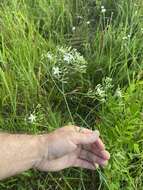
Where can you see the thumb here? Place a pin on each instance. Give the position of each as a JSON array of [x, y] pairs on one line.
[[86, 138]]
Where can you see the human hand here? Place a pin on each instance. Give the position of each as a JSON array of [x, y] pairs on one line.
[[71, 147]]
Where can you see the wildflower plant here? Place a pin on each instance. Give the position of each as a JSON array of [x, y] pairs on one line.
[[34, 70], [64, 64], [102, 90], [105, 91]]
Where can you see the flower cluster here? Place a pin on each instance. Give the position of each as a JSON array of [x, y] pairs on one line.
[[65, 62], [103, 10], [56, 72], [126, 37], [102, 91], [107, 83]]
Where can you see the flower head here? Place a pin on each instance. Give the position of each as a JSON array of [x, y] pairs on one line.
[[32, 118], [88, 22], [49, 56], [125, 38], [67, 62], [118, 93], [108, 83], [68, 57], [103, 10], [100, 92], [73, 28], [80, 17], [56, 71]]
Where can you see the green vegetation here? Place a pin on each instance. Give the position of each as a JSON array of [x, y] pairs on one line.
[[73, 61]]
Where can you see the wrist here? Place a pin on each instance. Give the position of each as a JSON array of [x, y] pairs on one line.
[[42, 148]]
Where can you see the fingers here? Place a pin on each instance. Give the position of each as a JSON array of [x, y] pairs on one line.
[[82, 135], [74, 128], [91, 140], [91, 157], [84, 164], [98, 144], [85, 137], [59, 163], [102, 153]]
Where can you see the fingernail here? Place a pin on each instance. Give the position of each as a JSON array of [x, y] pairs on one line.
[[97, 133], [105, 154], [96, 165]]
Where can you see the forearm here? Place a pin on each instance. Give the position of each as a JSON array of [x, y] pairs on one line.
[[18, 153]]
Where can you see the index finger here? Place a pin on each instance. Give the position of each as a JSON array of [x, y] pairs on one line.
[[98, 144]]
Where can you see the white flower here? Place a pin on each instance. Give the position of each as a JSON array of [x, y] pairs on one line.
[[103, 10], [32, 118], [49, 56], [108, 80], [118, 93], [103, 100], [61, 49], [73, 28], [56, 71], [100, 91], [88, 22], [68, 57], [125, 38], [108, 83], [80, 17]]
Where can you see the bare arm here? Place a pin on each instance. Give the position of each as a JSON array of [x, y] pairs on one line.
[[17, 153], [63, 148]]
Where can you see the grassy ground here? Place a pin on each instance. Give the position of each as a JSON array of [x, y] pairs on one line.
[[99, 85]]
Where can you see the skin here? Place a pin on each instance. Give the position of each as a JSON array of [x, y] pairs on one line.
[[65, 147]]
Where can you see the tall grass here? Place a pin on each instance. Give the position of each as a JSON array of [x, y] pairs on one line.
[[110, 43]]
